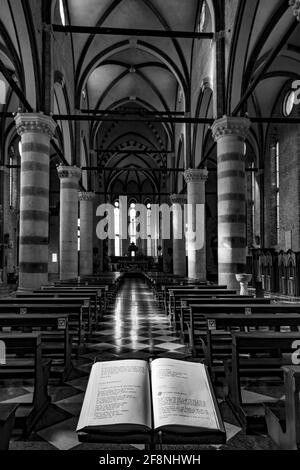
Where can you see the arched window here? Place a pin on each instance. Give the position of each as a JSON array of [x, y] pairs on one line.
[[117, 228], [202, 18], [132, 225], [288, 103], [62, 12], [149, 244]]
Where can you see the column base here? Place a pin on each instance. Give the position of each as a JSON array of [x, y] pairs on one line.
[[33, 281]]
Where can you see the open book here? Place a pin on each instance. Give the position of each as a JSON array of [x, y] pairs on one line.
[[134, 396]]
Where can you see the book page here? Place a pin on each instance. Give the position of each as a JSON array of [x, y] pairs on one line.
[[118, 392], [181, 395]]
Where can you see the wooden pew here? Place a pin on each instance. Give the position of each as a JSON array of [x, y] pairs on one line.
[[168, 291], [103, 291], [88, 310], [7, 421], [198, 312], [111, 285], [186, 303], [84, 291], [75, 313], [267, 353], [174, 298], [219, 328], [158, 286], [19, 366], [283, 418], [56, 344], [92, 297]]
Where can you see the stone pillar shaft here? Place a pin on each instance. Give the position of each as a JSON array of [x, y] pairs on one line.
[[86, 232], [68, 227], [230, 134], [196, 180], [179, 251], [35, 130]]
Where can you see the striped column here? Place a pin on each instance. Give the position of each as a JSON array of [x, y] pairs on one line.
[[68, 221], [35, 130], [86, 232], [179, 252], [196, 246], [230, 134]]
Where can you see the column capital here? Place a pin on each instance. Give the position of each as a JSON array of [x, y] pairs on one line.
[[231, 126], [35, 122], [69, 172], [295, 4], [194, 175], [178, 199], [86, 196]]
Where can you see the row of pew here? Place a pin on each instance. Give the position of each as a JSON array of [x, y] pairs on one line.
[[40, 333], [247, 343]]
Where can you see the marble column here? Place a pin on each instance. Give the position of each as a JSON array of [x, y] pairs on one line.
[[230, 134], [86, 201], [68, 223], [36, 130], [179, 249], [196, 245]]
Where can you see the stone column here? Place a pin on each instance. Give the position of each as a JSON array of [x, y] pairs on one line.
[[196, 246], [86, 233], [35, 130], [230, 133], [68, 223], [179, 251]]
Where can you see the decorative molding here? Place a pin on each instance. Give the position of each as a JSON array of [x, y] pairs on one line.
[[35, 122], [193, 175], [86, 196], [227, 125], [178, 199], [295, 4], [69, 172], [206, 83]]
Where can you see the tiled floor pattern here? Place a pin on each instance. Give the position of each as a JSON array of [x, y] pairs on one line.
[[132, 328]]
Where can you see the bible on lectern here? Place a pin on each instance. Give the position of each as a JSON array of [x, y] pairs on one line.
[[133, 396]]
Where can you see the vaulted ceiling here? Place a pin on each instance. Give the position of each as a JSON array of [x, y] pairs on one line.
[[139, 74]]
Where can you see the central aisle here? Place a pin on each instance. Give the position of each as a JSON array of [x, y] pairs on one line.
[[135, 327]]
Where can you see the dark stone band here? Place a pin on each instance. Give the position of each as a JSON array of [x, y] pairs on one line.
[[34, 268], [41, 216]]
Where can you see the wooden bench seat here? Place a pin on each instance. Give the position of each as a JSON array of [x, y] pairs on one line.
[[240, 371], [283, 418], [78, 328], [186, 302], [7, 421], [89, 313], [95, 308], [197, 313], [173, 294], [18, 366], [99, 292], [220, 327], [56, 343]]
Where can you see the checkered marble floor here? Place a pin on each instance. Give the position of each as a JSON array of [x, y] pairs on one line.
[[133, 327]]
